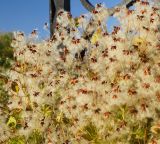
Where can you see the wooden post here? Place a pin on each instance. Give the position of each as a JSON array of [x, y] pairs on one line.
[[54, 7]]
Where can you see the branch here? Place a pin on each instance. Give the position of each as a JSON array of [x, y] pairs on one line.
[[89, 30], [87, 5], [128, 4], [111, 11]]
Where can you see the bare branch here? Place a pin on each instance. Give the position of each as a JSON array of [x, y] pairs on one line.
[[128, 4], [87, 5], [111, 11], [89, 30]]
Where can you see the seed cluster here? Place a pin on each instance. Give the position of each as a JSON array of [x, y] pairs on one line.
[[85, 85]]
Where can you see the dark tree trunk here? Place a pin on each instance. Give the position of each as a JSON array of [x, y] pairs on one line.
[[52, 13], [54, 7]]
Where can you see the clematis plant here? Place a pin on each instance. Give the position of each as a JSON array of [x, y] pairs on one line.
[[101, 89]]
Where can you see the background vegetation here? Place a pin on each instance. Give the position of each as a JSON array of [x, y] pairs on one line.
[[6, 51]]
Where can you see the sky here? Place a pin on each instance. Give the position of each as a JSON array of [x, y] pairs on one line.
[[26, 15]]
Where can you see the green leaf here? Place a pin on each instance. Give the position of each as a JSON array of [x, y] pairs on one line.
[[15, 87], [4, 97], [12, 122], [17, 140], [46, 110], [41, 85], [90, 132], [35, 137]]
